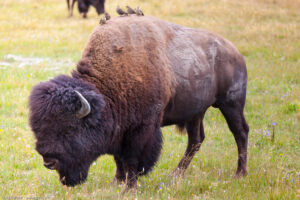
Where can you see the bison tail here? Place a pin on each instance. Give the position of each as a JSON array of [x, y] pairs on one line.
[[181, 128]]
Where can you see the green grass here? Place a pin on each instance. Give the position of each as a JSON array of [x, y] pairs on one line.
[[267, 32]]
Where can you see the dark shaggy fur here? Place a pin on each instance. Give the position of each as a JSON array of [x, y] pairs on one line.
[[138, 74], [62, 136], [84, 5]]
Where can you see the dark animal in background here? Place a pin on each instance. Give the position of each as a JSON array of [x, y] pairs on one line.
[[137, 74], [84, 5]]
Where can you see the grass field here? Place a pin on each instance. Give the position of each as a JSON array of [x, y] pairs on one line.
[[38, 41]]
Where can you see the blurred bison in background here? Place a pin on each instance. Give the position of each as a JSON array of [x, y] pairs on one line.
[[84, 5], [137, 74]]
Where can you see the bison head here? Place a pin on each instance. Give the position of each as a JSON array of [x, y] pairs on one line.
[[65, 116]]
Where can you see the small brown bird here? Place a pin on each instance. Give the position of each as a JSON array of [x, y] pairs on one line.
[[139, 12], [120, 11], [130, 10], [102, 20], [107, 16]]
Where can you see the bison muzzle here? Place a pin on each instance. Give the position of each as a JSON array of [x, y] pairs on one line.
[[136, 75]]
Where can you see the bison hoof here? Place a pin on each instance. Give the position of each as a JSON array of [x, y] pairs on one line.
[[241, 173], [132, 190], [177, 173], [117, 181]]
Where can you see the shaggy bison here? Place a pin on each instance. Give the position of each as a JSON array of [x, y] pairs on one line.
[[136, 75], [84, 5]]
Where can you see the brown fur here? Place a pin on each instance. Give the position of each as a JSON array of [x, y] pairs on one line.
[[129, 73]]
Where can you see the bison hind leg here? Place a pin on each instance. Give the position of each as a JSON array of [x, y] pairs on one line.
[[234, 116], [232, 105], [239, 127], [196, 136]]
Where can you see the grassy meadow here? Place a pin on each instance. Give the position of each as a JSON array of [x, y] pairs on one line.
[[38, 41]]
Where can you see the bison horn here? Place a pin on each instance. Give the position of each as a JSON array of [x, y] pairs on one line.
[[85, 106]]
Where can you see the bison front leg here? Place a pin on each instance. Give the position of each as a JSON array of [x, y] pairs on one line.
[[71, 8], [142, 150], [120, 171], [196, 136], [131, 167], [68, 4]]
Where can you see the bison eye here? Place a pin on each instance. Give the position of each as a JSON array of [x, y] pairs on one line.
[[51, 163], [66, 133]]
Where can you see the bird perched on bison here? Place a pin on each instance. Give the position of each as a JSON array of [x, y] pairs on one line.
[[105, 17], [138, 11], [120, 11], [130, 10], [84, 5], [102, 20], [137, 74]]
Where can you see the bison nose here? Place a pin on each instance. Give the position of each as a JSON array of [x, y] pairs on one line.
[[51, 164]]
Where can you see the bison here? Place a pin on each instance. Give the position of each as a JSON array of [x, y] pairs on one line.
[[136, 75], [83, 6]]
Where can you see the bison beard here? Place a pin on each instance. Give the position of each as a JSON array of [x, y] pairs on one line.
[[137, 74]]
